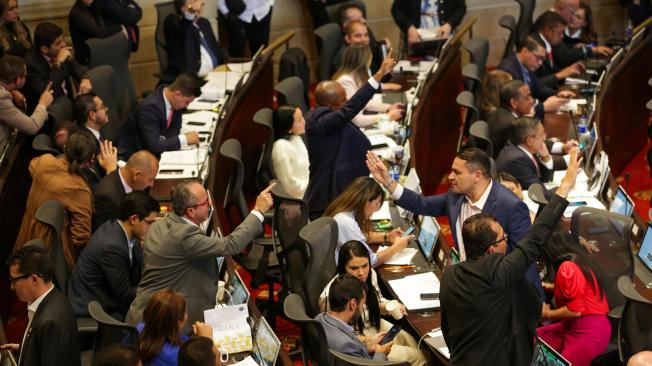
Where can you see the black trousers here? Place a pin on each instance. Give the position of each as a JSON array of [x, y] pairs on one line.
[[256, 32]]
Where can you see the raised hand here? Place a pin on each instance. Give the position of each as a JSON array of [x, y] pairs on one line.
[[264, 200], [378, 169]]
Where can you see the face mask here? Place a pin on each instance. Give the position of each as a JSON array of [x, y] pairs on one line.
[[189, 16]]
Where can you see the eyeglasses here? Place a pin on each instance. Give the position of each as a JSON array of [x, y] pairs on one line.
[[103, 106], [12, 280], [207, 202], [504, 238], [540, 58]]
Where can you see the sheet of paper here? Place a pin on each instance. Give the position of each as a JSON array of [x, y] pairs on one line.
[[201, 121], [409, 290], [230, 327], [194, 156], [240, 67], [382, 213], [406, 65], [200, 104], [436, 340], [249, 361], [402, 258]]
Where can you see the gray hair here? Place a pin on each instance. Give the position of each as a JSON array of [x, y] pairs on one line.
[[524, 127], [181, 196]]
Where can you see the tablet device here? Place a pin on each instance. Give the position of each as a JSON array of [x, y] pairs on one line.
[[427, 238], [239, 294], [266, 344], [544, 355], [622, 204], [645, 252]]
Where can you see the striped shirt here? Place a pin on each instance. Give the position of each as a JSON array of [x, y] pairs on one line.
[[348, 229]]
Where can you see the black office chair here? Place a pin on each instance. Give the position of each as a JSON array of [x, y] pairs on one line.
[[43, 144], [314, 345], [479, 133], [290, 91], [334, 9], [473, 81], [110, 330], [478, 48], [537, 193], [508, 22], [341, 359], [163, 9], [466, 100], [635, 328], [103, 79], [265, 171], [524, 22], [52, 214], [329, 41], [60, 110]]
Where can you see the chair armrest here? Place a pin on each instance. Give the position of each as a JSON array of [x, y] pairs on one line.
[[86, 325], [617, 312]]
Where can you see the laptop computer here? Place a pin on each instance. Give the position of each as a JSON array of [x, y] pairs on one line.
[[427, 239], [645, 252], [238, 292], [266, 344], [544, 355], [622, 204]]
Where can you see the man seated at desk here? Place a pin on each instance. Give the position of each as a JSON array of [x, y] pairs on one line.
[[488, 312], [346, 299], [155, 125], [472, 191]]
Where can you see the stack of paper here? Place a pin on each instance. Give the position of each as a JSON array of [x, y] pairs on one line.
[[436, 340], [194, 156], [409, 290], [199, 121], [402, 258], [231, 330], [240, 67]]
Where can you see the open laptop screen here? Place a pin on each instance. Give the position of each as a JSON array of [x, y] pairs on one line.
[[622, 203], [237, 290], [544, 355], [645, 253], [266, 344], [428, 232]]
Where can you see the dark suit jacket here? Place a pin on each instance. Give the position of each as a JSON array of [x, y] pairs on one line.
[[566, 56], [488, 312], [52, 338], [86, 22], [512, 214], [103, 272], [515, 161], [108, 194], [41, 73], [408, 12], [540, 88], [336, 149], [147, 128], [500, 128], [182, 40], [125, 12]]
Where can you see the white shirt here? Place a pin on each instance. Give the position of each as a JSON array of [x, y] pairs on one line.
[[205, 60], [168, 109], [545, 42], [291, 165], [549, 164], [348, 229], [575, 35], [124, 183], [31, 310], [130, 243], [95, 132], [257, 9], [429, 15]]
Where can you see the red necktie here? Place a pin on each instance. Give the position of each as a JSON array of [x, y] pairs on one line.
[[170, 113], [550, 57]]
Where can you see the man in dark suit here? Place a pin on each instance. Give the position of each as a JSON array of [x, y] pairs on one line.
[[155, 125], [50, 60], [472, 190], [488, 312], [188, 37], [51, 336], [548, 30], [137, 175], [108, 270], [408, 15], [126, 13], [567, 9], [336, 147]]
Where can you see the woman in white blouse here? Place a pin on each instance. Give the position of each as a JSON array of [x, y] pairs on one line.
[[353, 73], [289, 153]]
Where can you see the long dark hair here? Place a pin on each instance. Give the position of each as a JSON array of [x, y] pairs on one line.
[[79, 149], [562, 247], [354, 198], [283, 121], [348, 251], [162, 314], [588, 34]]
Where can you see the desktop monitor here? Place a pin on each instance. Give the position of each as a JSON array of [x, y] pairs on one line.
[[645, 252], [427, 239], [622, 203], [544, 355], [239, 294], [266, 344]]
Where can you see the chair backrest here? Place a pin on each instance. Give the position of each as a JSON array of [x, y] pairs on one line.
[[114, 51], [234, 196], [52, 214], [110, 330], [508, 22], [635, 327], [473, 81], [38, 243], [61, 110], [611, 233], [329, 41], [265, 170], [43, 144], [341, 359], [295, 63], [333, 10], [103, 78], [312, 332], [162, 11], [321, 236], [524, 22], [290, 91], [466, 99], [536, 192], [478, 47], [479, 131]]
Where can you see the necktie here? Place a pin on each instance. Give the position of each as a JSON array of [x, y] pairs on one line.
[[170, 113], [536, 166], [550, 57], [211, 53]]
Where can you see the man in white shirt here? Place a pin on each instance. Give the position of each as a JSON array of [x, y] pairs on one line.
[[246, 20], [51, 335]]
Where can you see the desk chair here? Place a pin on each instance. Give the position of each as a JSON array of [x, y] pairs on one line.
[[52, 214], [524, 22], [43, 144], [291, 91], [635, 328], [466, 100], [110, 330], [265, 171], [329, 41], [60, 110], [473, 81], [537, 193], [162, 11], [341, 359], [508, 22], [314, 345], [334, 9], [479, 133], [478, 48]]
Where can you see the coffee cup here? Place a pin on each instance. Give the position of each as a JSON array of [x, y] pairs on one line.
[[394, 308]]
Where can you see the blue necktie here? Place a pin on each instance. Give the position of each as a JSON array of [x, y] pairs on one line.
[[204, 43]]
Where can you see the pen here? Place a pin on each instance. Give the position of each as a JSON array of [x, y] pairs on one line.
[[395, 268]]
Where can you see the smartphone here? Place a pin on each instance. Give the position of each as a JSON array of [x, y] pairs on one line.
[[429, 296], [389, 336], [409, 231]]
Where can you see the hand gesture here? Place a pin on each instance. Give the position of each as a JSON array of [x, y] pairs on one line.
[[413, 35], [63, 55], [202, 329], [378, 169], [192, 138], [543, 151], [394, 234], [553, 103], [85, 86], [264, 200], [402, 242], [569, 145], [386, 67], [108, 156], [572, 170], [46, 97], [394, 113]]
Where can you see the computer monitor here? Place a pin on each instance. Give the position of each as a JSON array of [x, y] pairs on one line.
[[544, 355], [239, 294], [645, 252], [266, 344], [590, 148], [428, 232], [622, 203]]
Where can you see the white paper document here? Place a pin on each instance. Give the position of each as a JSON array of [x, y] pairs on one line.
[[428, 34], [409, 290], [231, 330], [436, 340], [383, 213], [402, 258], [194, 156], [572, 105], [240, 67]]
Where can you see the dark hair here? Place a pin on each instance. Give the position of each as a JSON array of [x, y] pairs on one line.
[[198, 351], [522, 128], [11, 67], [491, 85], [138, 203], [506, 177], [188, 85], [478, 235], [162, 314], [532, 44], [588, 33], [178, 4], [341, 12], [116, 355], [79, 149], [181, 196], [562, 247], [283, 120], [510, 90], [348, 251], [64, 125], [548, 19], [344, 288], [354, 198], [476, 159], [82, 106], [33, 260], [45, 34]]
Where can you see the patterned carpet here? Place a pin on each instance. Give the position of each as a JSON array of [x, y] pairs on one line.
[[640, 183]]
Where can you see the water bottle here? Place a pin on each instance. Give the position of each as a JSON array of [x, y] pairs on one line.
[[583, 133]]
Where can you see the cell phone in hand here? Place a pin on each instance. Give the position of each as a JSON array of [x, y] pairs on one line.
[[390, 335], [409, 231]]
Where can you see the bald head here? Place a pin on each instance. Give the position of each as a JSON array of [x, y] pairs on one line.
[[330, 94], [643, 358], [141, 170]]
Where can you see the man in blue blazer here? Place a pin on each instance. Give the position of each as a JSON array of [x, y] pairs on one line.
[[336, 147], [155, 125], [108, 270], [472, 191]]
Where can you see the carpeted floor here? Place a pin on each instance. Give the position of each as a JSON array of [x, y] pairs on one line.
[[640, 183]]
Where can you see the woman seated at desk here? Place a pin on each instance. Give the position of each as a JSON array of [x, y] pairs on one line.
[[160, 334], [355, 260], [289, 153], [352, 211], [353, 74]]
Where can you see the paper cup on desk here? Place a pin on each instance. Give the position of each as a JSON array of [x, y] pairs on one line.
[[394, 308]]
